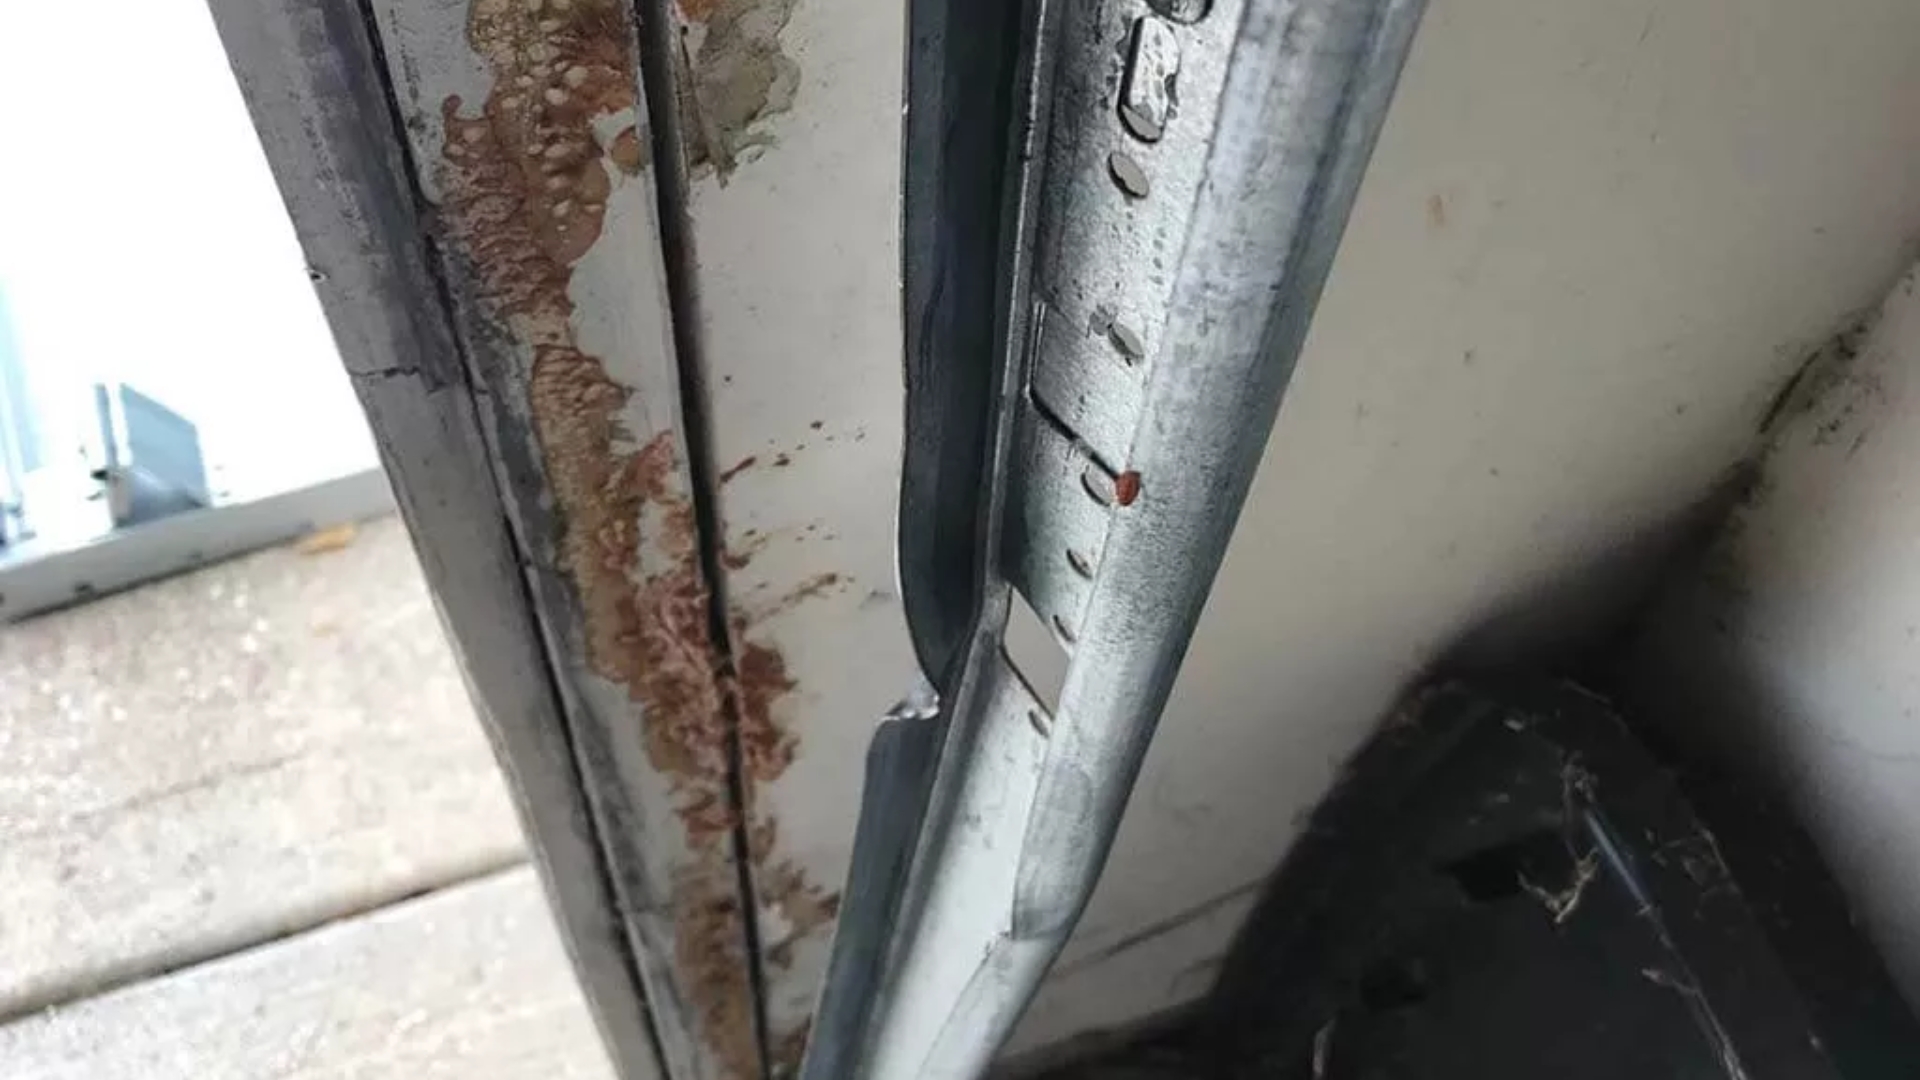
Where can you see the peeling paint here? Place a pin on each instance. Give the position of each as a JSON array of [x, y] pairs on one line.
[[526, 179], [739, 76]]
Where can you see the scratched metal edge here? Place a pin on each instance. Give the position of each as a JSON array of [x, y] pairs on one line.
[[314, 83]]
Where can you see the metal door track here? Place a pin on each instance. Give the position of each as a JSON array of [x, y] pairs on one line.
[[1176, 179]]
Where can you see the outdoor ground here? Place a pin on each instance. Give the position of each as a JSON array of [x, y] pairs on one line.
[[249, 827]]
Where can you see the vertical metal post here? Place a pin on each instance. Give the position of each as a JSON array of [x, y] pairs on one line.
[[1181, 174]]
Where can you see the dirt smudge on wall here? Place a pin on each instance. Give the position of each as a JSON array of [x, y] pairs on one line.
[[527, 175], [736, 76]]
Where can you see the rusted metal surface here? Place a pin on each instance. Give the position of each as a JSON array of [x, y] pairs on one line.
[[524, 176], [525, 182]]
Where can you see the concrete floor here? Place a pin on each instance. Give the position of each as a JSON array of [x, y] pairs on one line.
[[250, 827]]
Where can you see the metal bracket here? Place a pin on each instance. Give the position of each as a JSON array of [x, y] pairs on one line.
[[1180, 176]]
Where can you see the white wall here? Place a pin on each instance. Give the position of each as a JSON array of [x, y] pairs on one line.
[[1792, 647]]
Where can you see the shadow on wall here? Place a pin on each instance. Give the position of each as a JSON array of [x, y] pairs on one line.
[[1573, 623], [1784, 649], [1592, 620], [1768, 634]]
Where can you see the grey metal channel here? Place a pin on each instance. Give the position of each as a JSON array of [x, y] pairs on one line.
[[1219, 287], [1171, 245], [316, 83]]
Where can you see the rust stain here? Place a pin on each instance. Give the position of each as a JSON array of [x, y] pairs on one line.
[[766, 748], [737, 75], [791, 1049], [816, 586], [804, 906], [527, 176], [739, 556], [739, 467], [709, 955], [1126, 488]]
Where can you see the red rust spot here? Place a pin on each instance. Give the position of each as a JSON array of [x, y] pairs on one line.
[[1126, 487], [739, 467]]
